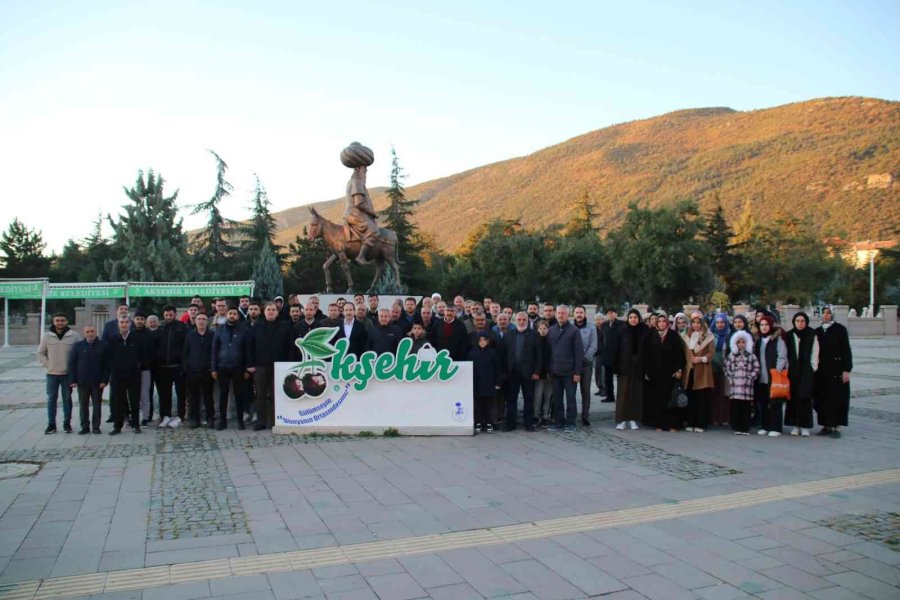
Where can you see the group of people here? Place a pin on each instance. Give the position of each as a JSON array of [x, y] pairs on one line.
[[683, 373]]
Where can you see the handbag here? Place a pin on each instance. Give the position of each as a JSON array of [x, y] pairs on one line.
[[780, 388], [679, 397]]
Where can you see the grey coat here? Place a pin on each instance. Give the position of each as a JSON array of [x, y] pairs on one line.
[[566, 350]]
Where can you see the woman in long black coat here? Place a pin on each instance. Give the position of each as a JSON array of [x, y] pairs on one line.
[[832, 402], [803, 361], [664, 360], [630, 371]]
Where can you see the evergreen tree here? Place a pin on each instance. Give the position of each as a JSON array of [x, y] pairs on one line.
[[718, 235], [304, 272], [212, 246], [22, 252], [149, 242], [581, 220], [398, 217], [267, 274], [260, 229]]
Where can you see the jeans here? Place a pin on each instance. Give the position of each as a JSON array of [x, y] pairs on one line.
[[54, 383], [564, 383]]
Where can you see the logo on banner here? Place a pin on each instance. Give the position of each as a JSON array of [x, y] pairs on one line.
[[310, 381]]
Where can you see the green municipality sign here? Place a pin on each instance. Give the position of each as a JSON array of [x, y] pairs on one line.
[[79, 292], [184, 290], [21, 290]]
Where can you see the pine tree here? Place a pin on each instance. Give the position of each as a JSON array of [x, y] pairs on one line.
[[23, 252], [267, 274], [148, 239], [260, 229], [398, 217], [212, 246], [581, 221], [718, 235], [304, 272]]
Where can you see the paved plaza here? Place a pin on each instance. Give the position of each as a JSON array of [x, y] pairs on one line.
[[597, 513]]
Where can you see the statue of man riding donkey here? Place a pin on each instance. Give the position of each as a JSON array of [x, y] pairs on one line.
[[360, 237]]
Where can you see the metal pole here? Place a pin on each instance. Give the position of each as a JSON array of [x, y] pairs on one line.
[[43, 310], [872, 283], [6, 322]]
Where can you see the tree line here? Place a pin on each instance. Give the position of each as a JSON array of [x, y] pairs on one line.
[[664, 256]]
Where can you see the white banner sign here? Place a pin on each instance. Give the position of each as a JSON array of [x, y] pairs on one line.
[[417, 394]]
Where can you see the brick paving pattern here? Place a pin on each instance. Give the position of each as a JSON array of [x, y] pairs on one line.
[[882, 527]]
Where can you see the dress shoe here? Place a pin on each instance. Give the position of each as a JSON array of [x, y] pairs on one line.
[[259, 427], [116, 431], [84, 430]]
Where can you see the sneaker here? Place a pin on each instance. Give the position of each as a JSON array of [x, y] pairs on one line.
[[834, 433], [50, 429], [67, 428], [621, 426], [774, 433], [555, 427], [489, 428], [136, 429], [804, 432], [795, 431], [699, 430], [762, 432], [738, 432], [570, 428], [689, 429], [174, 422], [633, 425], [164, 422]]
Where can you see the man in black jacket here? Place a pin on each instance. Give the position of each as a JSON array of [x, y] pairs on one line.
[[229, 365], [267, 345], [353, 331], [384, 337], [523, 367], [89, 374], [169, 345], [450, 335], [197, 361], [125, 353], [607, 344]]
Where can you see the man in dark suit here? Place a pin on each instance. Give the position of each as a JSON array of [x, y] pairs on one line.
[[267, 345], [450, 335], [523, 367], [353, 331]]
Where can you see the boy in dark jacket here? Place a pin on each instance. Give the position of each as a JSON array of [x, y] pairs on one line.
[[89, 374], [486, 378]]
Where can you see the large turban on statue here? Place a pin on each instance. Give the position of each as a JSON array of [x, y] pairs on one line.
[[356, 155]]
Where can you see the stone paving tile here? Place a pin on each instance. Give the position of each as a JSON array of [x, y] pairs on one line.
[[541, 581], [458, 591], [656, 587], [395, 586], [796, 578], [862, 584], [430, 571]]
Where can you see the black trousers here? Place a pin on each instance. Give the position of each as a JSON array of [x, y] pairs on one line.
[[698, 409], [89, 399], [518, 381], [166, 377], [200, 388], [799, 413], [126, 396], [484, 410], [608, 383], [740, 415], [232, 378], [264, 381], [771, 417]]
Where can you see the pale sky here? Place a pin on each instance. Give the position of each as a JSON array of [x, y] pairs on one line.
[[90, 92]]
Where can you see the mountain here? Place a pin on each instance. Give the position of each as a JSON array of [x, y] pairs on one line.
[[835, 159]]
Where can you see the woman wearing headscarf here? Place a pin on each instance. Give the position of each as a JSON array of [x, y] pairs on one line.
[[803, 362], [701, 346], [630, 371], [772, 354], [721, 405], [833, 377], [664, 359], [681, 323]]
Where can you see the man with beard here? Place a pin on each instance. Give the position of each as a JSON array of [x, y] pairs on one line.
[[169, 345], [267, 345], [353, 331], [589, 344], [522, 366], [533, 314], [608, 350], [549, 314], [147, 340], [450, 335], [229, 366]]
